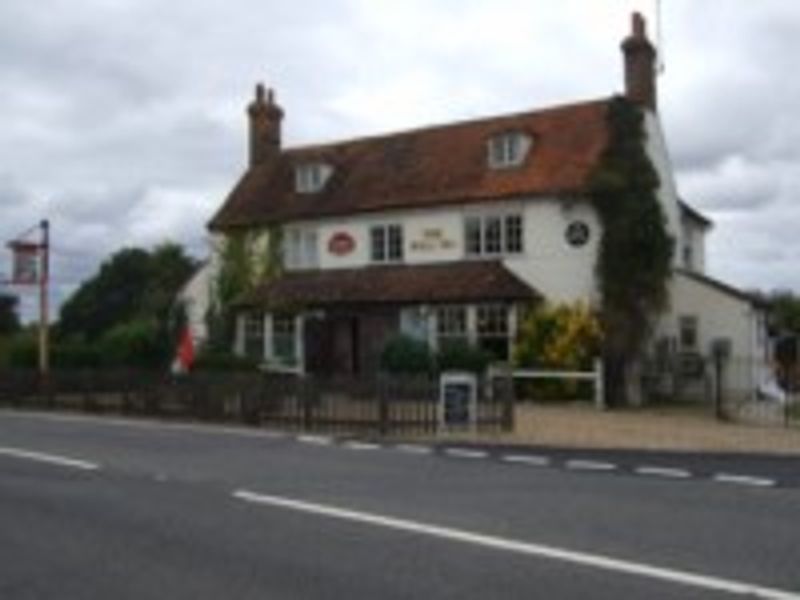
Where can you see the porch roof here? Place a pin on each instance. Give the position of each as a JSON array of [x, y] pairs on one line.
[[471, 281]]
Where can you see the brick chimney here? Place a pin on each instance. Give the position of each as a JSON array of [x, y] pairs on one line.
[[265, 126], [640, 65]]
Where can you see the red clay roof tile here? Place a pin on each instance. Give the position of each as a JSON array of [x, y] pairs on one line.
[[470, 281], [427, 167]]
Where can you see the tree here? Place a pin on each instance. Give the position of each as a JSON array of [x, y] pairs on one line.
[[128, 306], [635, 257], [9, 319], [784, 309]]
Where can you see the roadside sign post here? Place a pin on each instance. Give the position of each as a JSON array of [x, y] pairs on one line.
[[31, 266]]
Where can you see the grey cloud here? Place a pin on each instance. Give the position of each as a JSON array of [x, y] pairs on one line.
[[124, 121]]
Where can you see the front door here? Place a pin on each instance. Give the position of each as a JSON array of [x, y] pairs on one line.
[[348, 343]]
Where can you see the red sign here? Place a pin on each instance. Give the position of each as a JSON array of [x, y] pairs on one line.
[[341, 243], [26, 263]]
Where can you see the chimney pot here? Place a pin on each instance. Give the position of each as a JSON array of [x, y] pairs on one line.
[[265, 126], [639, 26], [640, 70]]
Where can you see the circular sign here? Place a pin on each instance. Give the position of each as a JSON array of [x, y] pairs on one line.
[[341, 243], [577, 233]]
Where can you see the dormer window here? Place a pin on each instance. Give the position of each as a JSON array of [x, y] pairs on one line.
[[310, 178], [508, 150]]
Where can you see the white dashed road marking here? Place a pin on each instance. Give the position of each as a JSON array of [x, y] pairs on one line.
[[663, 472], [584, 559], [319, 440], [53, 459], [413, 449], [527, 459], [353, 445], [465, 453], [744, 480], [590, 465]]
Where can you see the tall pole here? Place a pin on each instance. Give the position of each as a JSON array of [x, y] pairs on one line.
[[44, 280]]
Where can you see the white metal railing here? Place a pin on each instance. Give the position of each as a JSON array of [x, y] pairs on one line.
[[596, 376]]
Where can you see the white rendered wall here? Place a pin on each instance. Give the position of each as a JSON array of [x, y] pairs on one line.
[[562, 273], [720, 315], [658, 152]]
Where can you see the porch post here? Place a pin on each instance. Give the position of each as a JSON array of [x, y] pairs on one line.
[[238, 341], [267, 352], [299, 338]]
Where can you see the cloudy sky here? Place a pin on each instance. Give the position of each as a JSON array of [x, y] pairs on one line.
[[122, 120]]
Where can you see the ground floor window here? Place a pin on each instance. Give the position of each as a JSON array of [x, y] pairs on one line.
[[254, 335], [451, 325], [284, 338], [687, 333], [492, 330]]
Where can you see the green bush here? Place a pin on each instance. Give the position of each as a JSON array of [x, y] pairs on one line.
[[75, 353], [461, 356], [22, 350], [404, 354], [134, 344]]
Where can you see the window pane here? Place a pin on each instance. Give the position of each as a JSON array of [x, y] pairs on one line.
[[513, 234], [395, 249], [378, 244], [472, 235], [688, 333], [493, 235], [254, 335], [310, 252], [284, 345], [492, 328]]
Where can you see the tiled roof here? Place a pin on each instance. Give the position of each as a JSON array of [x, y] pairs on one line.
[[426, 167], [723, 287], [692, 213], [470, 281]]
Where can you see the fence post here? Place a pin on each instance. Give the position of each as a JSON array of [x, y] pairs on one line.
[[383, 407], [599, 384], [508, 401], [308, 385]]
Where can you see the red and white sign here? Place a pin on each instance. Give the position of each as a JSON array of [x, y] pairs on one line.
[[341, 243], [26, 263]]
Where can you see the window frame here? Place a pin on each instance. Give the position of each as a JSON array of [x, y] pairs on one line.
[[448, 315], [310, 177], [509, 239], [387, 243], [253, 329], [508, 149], [689, 324], [300, 249], [493, 326], [284, 332]]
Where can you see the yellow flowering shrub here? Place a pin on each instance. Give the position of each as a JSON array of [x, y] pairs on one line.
[[564, 336]]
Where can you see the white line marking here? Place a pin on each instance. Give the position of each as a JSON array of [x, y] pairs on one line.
[[52, 459], [145, 423], [586, 559], [361, 446], [590, 465], [413, 449], [527, 459], [744, 480], [663, 472], [319, 440], [465, 453]]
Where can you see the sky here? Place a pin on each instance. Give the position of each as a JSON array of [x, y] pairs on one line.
[[122, 121]]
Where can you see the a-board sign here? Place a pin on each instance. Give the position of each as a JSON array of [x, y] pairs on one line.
[[457, 400]]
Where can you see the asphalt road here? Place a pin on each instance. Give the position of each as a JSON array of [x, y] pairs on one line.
[[114, 509]]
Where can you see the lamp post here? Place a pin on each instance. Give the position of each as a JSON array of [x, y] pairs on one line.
[[44, 307]]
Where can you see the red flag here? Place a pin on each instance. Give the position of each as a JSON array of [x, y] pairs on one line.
[[186, 350]]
